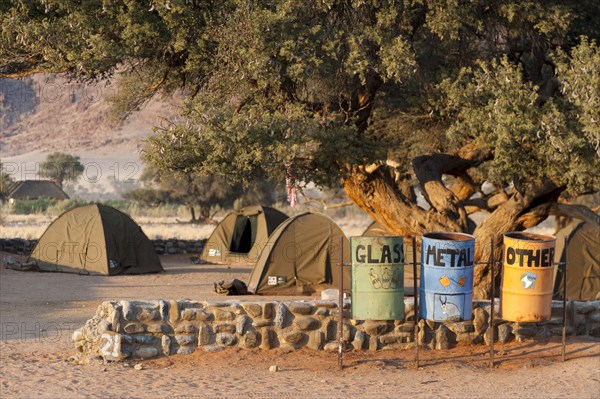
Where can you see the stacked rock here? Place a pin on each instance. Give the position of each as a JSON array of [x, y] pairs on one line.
[[145, 329]]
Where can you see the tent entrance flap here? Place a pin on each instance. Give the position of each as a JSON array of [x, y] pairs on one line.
[[244, 234]]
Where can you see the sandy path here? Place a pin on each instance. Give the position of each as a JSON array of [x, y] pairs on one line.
[[40, 370], [38, 312]]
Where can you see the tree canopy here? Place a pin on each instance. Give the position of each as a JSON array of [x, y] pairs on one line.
[[200, 193], [60, 167], [380, 97]]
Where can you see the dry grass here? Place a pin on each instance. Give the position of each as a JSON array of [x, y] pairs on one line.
[[24, 226], [33, 226]]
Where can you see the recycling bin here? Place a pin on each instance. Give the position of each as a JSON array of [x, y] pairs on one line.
[[527, 277], [446, 291], [377, 278]]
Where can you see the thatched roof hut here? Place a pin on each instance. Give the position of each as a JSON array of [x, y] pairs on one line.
[[34, 189]]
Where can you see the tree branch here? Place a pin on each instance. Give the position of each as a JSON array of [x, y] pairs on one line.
[[486, 203], [475, 205], [325, 204], [21, 66], [575, 211], [520, 211], [430, 169], [463, 187], [378, 193]]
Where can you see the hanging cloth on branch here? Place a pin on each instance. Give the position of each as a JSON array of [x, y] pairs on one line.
[[290, 184]]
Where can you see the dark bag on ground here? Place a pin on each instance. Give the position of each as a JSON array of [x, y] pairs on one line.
[[232, 287]]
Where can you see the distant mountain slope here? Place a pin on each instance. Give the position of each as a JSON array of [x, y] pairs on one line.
[[49, 113]]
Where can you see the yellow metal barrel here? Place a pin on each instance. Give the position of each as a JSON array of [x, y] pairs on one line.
[[527, 277]]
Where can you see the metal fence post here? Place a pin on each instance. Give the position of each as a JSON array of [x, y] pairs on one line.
[[341, 307], [493, 304], [416, 297]]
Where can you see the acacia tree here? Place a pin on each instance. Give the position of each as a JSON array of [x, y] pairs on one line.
[[380, 97], [60, 167], [198, 193], [181, 183]]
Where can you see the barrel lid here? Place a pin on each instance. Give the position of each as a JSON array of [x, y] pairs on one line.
[[448, 236], [525, 236]]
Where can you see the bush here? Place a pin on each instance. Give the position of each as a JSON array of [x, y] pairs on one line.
[[62, 206], [28, 207], [54, 208]]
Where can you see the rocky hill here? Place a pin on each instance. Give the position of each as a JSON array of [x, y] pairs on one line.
[[45, 113]]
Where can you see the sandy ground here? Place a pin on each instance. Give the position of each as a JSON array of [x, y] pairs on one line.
[[39, 311]]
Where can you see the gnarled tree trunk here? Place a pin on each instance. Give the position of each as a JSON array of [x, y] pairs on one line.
[[390, 200]]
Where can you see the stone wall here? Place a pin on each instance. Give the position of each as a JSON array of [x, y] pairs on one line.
[[169, 246], [174, 246], [17, 246], [146, 329]]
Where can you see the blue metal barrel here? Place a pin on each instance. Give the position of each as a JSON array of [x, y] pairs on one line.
[[446, 292]]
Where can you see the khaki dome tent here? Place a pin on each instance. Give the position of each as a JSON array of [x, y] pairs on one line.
[[241, 235], [376, 229], [582, 254], [302, 256], [95, 239]]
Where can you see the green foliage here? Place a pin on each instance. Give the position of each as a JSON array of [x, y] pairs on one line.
[[579, 76], [57, 207], [331, 84], [63, 206], [30, 207], [60, 167], [557, 140], [195, 191], [275, 91], [5, 181]]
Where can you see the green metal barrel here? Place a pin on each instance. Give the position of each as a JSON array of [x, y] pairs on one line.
[[377, 278]]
